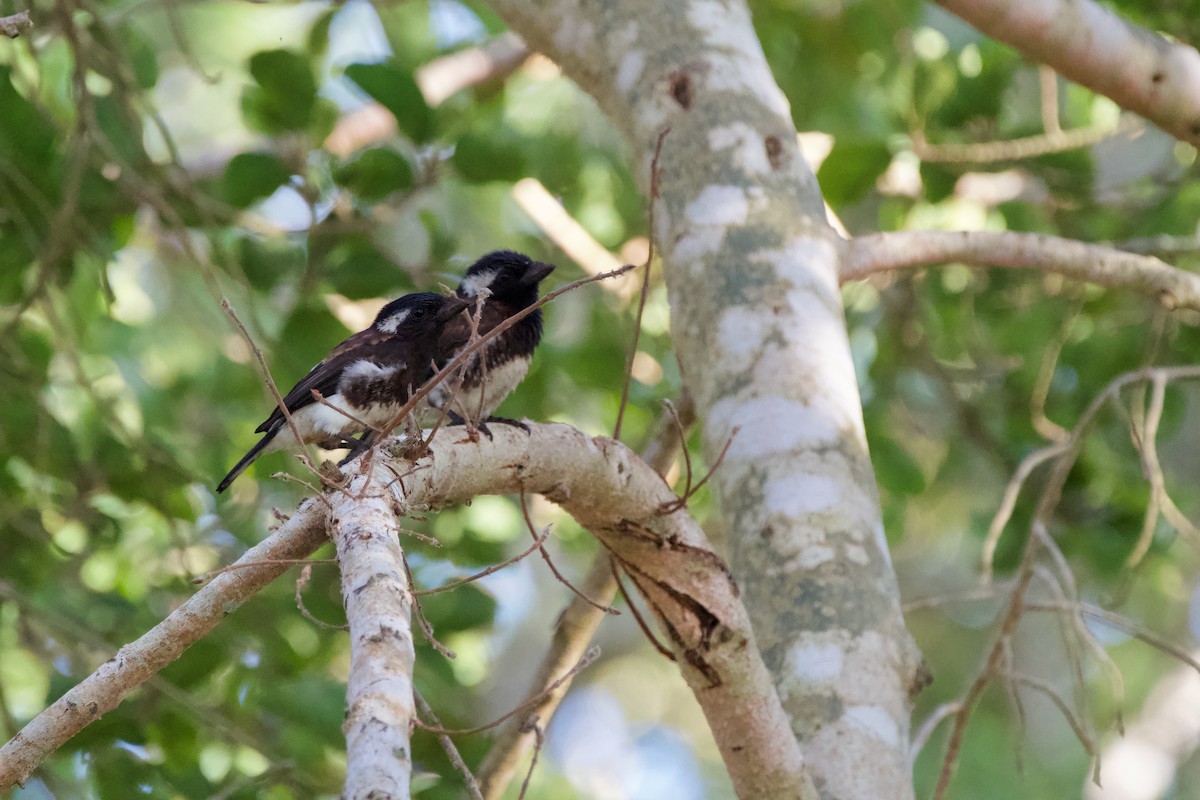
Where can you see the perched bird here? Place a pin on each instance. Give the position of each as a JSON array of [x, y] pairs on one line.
[[370, 376], [512, 282]]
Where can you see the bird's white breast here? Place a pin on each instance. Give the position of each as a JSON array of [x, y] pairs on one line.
[[479, 402]]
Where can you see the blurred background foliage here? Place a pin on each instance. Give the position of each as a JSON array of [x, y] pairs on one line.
[[302, 161]]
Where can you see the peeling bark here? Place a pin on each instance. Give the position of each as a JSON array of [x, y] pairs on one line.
[[759, 331]]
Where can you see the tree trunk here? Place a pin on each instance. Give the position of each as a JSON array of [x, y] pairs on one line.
[[751, 269]]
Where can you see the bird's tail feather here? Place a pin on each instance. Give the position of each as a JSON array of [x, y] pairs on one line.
[[246, 461]]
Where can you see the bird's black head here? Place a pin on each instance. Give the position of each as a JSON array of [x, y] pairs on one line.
[[511, 277], [420, 314]]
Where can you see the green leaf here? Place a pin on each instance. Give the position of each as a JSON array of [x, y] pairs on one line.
[[851, 170], [267, 260], [396, 90], [894, 467], [252, 176], [358, 270], [486, 157], [26, 137], [306, 338], [285, 93], [143, 58], [318, 34], [375, 174]]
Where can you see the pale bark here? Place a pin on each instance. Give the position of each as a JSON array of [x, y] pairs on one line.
[[135, 663], [1085, 42], [621, 500], [751, 268], [875, 253], [380, 709]]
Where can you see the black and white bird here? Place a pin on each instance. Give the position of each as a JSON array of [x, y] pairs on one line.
[[511, 280], [369, 376]]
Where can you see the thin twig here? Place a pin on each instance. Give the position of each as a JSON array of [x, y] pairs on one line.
[[591, 655], [320, 398], [655, 180], [675, 505], [208, 576], [550, 562], [538, 541], [449, 748], [637, 615], [1124, 625], [539, 740], [683, 448], [1009, 502], [1039, 685], [422, 620], [301, 582], [270, 381], [921, 737]]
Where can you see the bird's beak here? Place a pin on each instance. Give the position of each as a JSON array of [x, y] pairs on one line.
[[537, 272], [451, 308]]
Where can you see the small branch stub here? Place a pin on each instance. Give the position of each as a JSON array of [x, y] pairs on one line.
[[14, 25]]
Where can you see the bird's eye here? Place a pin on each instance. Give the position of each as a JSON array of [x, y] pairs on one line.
[[419, 313]]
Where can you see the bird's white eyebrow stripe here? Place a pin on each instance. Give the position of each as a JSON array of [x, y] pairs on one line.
[[393, 322]]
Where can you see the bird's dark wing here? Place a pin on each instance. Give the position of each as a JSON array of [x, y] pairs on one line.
[[370, 345]]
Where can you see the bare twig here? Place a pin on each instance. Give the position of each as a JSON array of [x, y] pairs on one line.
[[449, 748], [591, 655], [1023, 148], [538, 539], [864, 256], [422, 620], [301, 582], [655, 179], [270, 382], [208, 576], [531, 726], [637, 615], [929, 725], [690, 491]]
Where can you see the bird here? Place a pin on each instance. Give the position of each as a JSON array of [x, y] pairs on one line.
[[511, 280], [369, 376]]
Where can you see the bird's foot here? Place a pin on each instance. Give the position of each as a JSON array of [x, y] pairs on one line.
[[357, 448], [475, 428]]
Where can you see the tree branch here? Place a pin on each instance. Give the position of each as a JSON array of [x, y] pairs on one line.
[[751, 271], [869, 255], [575, 628], [380, 708], [617, 496], [14, 25], [136, 663], [1086, 43], [600, 482]]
